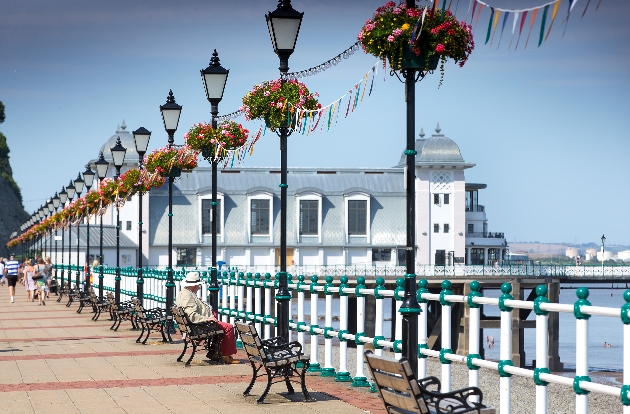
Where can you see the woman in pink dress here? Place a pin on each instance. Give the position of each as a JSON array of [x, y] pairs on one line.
[[29, 283]]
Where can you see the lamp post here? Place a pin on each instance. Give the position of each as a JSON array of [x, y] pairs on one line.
[[214, 79], [170, 116], [63, 197], [101, 171], [88, 177], [141, 137], [118, 155], [50, 213], [603, 241], [284, 26], [70, 189], [78, 186], [55, 201]]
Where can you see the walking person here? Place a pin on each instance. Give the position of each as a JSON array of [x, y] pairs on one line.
[[41, 281], [49, 269], [12, 267], [2, 271], [29, 283]]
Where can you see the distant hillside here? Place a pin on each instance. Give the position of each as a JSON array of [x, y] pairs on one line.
[[12, 213]]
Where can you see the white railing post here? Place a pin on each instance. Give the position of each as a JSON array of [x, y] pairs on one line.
[[257, 302], [423, 339], [542, 354], [290, 315], [249, 305], [328, 370], [581, 351], [505, 352], [474, 328], [268, 286], [360, 379], [446, 336], [300, 309], [232, 289], [342, 374], [225, 295], [379, 316], [625, 318], [315, 366], [399, 295]]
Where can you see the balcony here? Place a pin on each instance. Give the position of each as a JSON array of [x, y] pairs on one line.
[[476, 209], [486, 235]]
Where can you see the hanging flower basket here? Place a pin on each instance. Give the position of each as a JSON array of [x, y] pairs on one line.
[[212, 143], [275, 102], [163, 160], [396, 33]]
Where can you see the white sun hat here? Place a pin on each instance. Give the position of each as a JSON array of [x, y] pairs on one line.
[[192, 279]]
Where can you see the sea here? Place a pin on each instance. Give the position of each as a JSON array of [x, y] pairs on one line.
[[601, 328]]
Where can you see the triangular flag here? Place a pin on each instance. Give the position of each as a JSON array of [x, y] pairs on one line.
[[505, 17], [478, 13], [472, 16], [494, 26], [553, 17], [490, 24], [542, 25], [521, 29], [531, 25], [585, 8]]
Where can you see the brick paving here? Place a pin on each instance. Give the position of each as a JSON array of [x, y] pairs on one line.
[[53, 360]]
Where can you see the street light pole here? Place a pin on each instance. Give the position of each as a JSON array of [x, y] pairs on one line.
[[603, 250], [214, 79], [118, 156], [141, 137], [101, 171], [55, 201], [70, 189], [78, 186], [63, 197], [88, 176], [170, 116]]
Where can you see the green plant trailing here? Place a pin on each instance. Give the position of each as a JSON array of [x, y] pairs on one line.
[[276, 101], [213, 143], [388, 34], [163, 160]]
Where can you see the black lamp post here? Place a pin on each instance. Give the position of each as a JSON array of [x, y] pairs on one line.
[[63, 197], [118, 155], [170, 115], [101, 171], [78, 187], [284, 27], [214, 79], [603, 251], [55, 202], [141, 137], [70, 189], [88, 177], [49, 203]]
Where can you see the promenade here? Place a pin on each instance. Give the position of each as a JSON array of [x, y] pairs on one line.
[[53, 360]]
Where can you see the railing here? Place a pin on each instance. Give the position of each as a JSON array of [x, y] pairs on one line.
[[243, 295], [476, 209], [486, 235]]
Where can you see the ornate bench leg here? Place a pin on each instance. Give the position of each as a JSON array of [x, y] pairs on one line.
[[179, 359], [194, 349], [287, 373], [114, 324], [141, 334], [307, 396], [251, 384], [148, 333], [264, 394]]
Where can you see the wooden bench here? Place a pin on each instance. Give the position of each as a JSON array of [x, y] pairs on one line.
[[99, 305], [402, 393], [84, 300], [208, 334], [278, 358], [123, 311], [152, 319], [73, 294]]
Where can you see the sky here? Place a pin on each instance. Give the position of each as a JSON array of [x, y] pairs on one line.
[[548, 127]]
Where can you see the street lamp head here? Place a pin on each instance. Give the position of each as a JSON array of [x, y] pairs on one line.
[[603, 239], [88, 176], [45, 210], [70, 190], [78, 185], [101, 166], [214, 79], [55, 200], [118, 154], [63, 195], [170, 115], [284, 26], [50, 205], [141, 136]]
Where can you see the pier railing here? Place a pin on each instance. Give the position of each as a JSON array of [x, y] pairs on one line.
[[250, 297]]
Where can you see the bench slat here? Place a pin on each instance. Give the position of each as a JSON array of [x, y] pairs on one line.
[[404, 401]]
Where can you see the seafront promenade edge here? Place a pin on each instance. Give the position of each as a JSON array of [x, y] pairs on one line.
[[53, 360]]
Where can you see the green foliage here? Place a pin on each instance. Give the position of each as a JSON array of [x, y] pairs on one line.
[[1, 112], [5, 167]]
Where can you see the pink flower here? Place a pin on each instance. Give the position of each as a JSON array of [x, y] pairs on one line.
[[267, 93], [439, 48], [390, 38], [279, 104], [396, 11], [397, 32]]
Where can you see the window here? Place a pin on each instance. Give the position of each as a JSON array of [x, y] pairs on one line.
[[309, 216], [471, 228], [119, 224], [128, 225], [436, 228], [126, 258], [381, 255], [259, 216], [446, 198], [357, 217], [436, 199], [186, 256], [447, 228], [206, 216]]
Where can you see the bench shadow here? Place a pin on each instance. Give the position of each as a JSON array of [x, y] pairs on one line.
[[317, 396], [11, 350]]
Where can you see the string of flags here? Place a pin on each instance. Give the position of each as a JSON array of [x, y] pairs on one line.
[[307, 122], [234, 158], [519, 18]]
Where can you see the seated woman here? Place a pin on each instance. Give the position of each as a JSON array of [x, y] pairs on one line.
[[199, 312]]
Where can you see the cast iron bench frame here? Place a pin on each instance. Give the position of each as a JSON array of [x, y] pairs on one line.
[[209, 334], [152, 319], [123, 311], [278, 358]]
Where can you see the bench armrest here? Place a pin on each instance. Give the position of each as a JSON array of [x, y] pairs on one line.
[[457, 401]]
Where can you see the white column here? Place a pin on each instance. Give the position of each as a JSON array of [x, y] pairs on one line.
[[342, 374], [315, 367], [300, 310], [257, 302], [225, 293], [446, 345], [505, 383], [626, 358], [328, 370], [359, 379], [378, 322], [468, 255], [542, 336], [473, 345], [581, 362], [485, 255]]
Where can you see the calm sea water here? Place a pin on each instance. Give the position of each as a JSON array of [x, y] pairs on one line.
[[601, 329]]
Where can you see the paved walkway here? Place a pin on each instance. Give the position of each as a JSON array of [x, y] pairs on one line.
[[53, 360]]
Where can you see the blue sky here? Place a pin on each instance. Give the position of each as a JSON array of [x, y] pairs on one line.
[[547, 127]]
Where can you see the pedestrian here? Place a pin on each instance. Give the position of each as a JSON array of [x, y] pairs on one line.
[[40, 276], [29, 283], [2, 271], [49, 269], [12, 267]]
